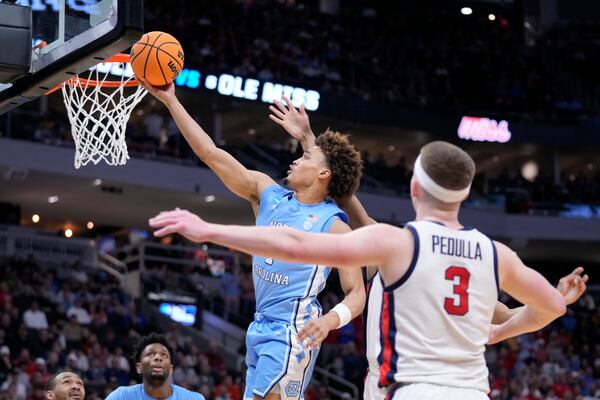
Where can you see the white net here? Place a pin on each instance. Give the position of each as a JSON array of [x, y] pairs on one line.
[[99, 111]]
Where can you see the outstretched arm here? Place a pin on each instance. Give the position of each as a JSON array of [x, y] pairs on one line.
[[243, 182], [571, 286], [354, 299], [349, 250], [543, 303]]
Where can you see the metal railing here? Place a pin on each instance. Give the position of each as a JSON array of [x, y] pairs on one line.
[[24, 242], [325, 378], [111, 265]]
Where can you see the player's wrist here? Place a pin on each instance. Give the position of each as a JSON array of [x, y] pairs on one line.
[[343, 313], [169, 101], [332, 320], [308, 138], [211, 232]]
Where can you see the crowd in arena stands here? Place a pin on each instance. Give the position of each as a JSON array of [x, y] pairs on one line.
[[218, 284], [545, 196], [426, 65], [561, 362], [69, 319], [484, 65]]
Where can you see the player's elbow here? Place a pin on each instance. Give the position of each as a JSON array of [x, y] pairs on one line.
[[554, 306], [209, 154], [558, 308]]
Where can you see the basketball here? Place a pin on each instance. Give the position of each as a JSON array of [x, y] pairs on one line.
[[157, 57]]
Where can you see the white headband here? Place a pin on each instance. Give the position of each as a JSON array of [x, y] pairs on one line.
[[440, 193]]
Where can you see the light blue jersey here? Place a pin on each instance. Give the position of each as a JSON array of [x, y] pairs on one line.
[[286, 299], [287, 292], [136, 392]]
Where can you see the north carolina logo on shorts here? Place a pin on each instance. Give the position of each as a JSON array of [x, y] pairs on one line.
[[292, 389]]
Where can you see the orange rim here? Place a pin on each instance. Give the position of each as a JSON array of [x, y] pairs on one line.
[[77, 81]]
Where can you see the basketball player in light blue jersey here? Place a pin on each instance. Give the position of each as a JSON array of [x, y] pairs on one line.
[[280, 361], [153, 361]]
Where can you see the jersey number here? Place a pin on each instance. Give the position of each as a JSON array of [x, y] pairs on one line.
[[460, 290]]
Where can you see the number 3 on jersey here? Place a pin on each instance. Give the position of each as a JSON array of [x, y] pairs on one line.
[[460, 290]]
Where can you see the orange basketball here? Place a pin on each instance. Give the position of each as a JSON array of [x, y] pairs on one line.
[[157, 57]]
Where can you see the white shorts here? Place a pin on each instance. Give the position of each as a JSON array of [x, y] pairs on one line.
[[428, 391], [372, 389]]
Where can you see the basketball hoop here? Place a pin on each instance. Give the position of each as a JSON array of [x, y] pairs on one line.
[[98, 118]]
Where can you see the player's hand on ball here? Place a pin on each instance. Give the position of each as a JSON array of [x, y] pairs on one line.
[[295, 122], [179, 221], [573, 285], [316, 331], [162, 93]]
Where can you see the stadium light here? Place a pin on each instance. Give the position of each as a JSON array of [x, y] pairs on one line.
[[90, 225], [530, 171], [492, 17], [466, 11], [35, 218], [52, 199], [68, 233]]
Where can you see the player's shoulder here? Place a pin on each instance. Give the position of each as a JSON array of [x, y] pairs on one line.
[[402, 239], [126, 393], [274, 190], [275, 187], [185, 394], [389, 229]]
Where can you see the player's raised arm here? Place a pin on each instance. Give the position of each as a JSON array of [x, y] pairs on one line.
[[295, 122], [543, 302], [243, 182], [372, 245], [571, 286]]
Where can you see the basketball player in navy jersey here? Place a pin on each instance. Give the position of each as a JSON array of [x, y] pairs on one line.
[[280, 363], [297, 124], [440, 280]]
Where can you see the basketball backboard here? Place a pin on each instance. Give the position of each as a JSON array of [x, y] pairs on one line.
[[71, 36]]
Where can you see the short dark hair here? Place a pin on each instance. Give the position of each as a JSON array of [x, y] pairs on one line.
[[52, 381], [448, 165], [145, 341], [344, 161]]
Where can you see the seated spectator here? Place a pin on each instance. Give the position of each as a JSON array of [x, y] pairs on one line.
[[81, 314], [34, 318], [12, 388], [73, 332]]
